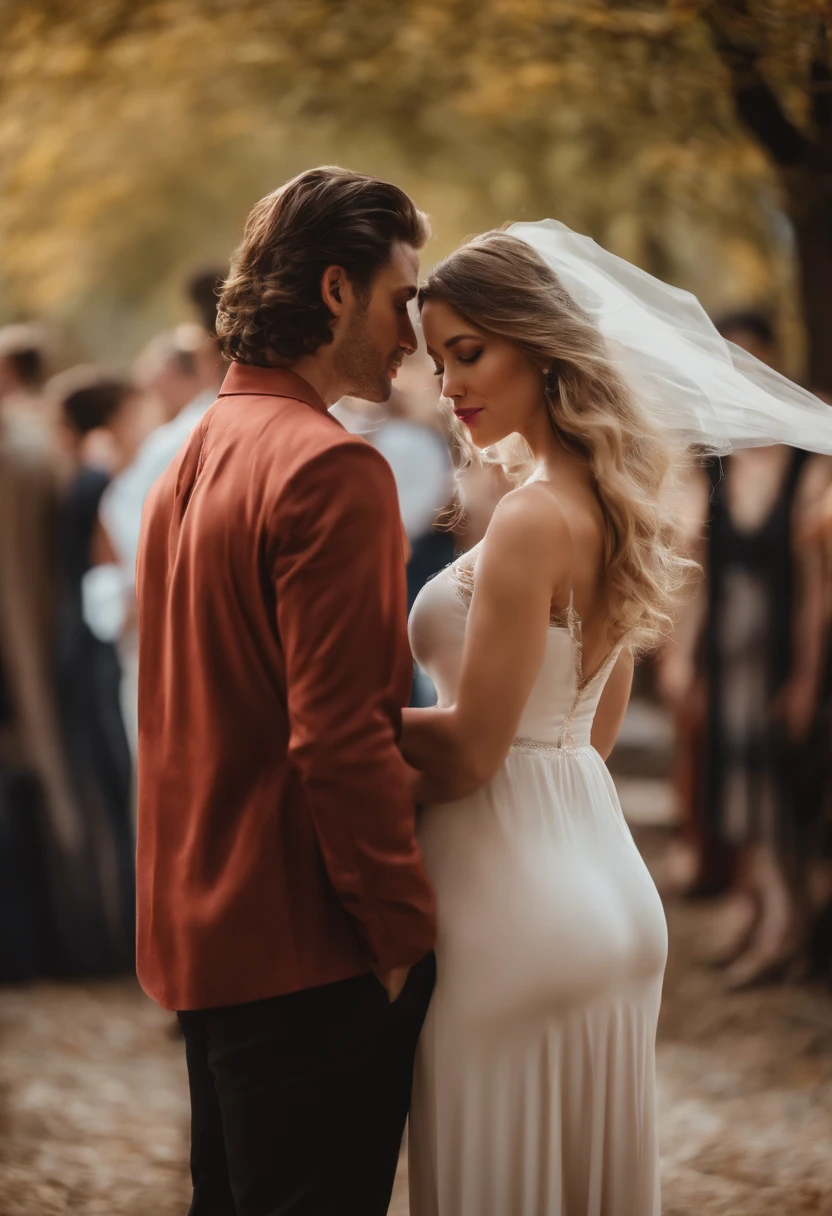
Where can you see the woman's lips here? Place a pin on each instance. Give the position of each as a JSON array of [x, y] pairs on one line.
[[469, 417]]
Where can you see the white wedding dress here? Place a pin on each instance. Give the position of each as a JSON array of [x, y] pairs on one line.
[[534, 1083]]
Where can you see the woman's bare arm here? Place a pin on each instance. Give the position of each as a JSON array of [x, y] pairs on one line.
[[526, 559]]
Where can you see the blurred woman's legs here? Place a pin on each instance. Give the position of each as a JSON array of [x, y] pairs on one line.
[[772, 930]]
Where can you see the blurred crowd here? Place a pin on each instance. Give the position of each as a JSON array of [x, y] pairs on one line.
[[747, 675], [79, 448]]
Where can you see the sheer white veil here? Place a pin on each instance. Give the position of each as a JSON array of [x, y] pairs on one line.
[[693, 384]]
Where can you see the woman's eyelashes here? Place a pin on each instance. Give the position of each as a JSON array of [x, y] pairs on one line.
[[466, 359]]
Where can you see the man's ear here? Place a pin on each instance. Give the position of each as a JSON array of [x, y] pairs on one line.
[[333, 283]]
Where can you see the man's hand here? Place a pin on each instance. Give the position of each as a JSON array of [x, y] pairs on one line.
[[394, 981]]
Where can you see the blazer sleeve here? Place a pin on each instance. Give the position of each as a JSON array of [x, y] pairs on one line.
[[341, 616]]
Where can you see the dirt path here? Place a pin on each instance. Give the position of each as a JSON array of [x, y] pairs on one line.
[[93, 1106]]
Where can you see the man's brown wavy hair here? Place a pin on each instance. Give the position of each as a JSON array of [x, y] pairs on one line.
[[270, 310]]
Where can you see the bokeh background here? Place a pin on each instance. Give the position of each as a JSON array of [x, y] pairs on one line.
[[134, 136], [692, 137]]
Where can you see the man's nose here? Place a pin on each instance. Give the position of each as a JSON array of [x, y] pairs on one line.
[[408, 341]]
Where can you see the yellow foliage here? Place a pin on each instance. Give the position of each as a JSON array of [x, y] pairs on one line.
[[135, 134]]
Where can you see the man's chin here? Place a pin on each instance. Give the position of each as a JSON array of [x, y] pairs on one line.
[[378, 393]]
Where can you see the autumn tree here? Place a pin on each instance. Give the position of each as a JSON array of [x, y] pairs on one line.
[[135, 135], [790, 112]]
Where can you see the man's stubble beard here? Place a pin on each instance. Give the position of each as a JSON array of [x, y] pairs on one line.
[[360, 366]]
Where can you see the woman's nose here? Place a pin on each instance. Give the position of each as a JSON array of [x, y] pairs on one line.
[[452, 387]]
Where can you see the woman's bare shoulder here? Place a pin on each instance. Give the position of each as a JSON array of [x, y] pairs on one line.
[[530, 526]]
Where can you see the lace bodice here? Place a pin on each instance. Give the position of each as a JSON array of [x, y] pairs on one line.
[[562, 703]]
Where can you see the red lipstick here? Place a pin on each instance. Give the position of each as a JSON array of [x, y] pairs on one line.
[[469, 417]]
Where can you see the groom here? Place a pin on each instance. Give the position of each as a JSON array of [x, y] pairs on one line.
[[283, 910]]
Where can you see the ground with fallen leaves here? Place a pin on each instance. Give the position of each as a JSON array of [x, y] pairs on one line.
[[93, 1101]]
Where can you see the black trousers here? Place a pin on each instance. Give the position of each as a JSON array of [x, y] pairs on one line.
[[298, 1103]]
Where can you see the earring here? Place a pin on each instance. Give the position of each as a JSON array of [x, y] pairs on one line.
[[550, 382]]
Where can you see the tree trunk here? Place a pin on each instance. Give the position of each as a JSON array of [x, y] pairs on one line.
[[804, 159], [811, 208]]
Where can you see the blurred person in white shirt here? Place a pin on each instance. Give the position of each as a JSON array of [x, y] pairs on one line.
[[182, 370]]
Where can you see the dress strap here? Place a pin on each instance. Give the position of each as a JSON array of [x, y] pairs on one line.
[[565, 617], [574, 623]]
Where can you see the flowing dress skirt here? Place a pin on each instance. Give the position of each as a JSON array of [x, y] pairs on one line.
[[534, 1086]]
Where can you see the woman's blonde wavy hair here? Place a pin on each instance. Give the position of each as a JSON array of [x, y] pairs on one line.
[[500, 285]]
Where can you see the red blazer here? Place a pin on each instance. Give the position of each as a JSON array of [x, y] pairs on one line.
[[276, 846]]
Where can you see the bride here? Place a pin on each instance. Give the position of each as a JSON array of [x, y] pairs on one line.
[[534, 1085]]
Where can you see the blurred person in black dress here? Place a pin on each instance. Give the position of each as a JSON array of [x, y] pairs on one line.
[[750, 662], [65, 862], [816, 772], [87, 401], [35, 801]]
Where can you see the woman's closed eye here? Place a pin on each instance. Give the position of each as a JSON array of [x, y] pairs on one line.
[[466, 359]]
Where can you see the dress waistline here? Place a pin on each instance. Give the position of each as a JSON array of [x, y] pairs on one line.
[[547, 747]]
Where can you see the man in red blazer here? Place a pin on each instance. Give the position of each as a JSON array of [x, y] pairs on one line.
[[283, 910]]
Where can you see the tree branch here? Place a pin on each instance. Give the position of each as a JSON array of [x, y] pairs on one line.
[[757, 104], [821, 86]]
